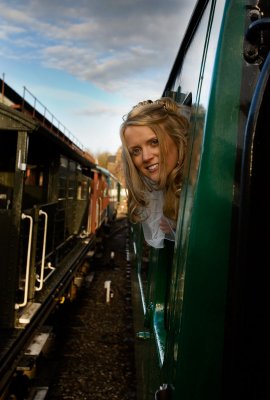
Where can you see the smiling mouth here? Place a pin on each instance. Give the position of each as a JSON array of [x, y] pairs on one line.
[[152, 168]]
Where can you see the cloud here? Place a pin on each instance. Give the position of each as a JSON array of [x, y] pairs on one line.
[[106, 43], [122, 49]]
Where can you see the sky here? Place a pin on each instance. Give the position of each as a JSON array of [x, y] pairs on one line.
[[89, 61]]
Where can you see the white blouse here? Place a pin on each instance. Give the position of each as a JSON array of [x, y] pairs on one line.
[[153, 235]]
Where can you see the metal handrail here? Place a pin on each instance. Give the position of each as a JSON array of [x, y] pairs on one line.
[[27, 272], [49, 266], [41, 278], [54, 121]]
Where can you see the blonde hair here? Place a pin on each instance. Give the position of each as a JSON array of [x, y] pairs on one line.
[[163, 116]]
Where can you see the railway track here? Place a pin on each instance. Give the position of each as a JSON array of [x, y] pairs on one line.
[[15, 342]]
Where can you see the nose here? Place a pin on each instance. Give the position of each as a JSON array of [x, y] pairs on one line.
[[146, 154]]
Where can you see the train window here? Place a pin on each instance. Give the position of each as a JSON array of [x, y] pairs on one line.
[[7, 167], [67, 186], [72, 166], [105, 187], [71, 188], [199, 59], [82, 190], [33, 176], [6, 189], [63, 162], [33, 185], [62, 187], [194, 78]]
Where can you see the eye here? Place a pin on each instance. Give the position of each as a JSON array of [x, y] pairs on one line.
[[154, 142], [135, 151]]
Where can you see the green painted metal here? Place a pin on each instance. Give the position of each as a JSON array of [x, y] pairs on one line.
[[186, 294], [203, 256]]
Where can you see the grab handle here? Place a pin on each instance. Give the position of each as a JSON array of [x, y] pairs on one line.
[[41, 278], [26, 285]]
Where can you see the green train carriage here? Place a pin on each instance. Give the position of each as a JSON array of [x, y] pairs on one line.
[[203, 312]]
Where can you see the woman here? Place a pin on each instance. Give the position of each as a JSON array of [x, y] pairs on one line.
[[154, 141]]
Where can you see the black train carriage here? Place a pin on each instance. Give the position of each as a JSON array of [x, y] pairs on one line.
[[44, 194], [205, 307], [47, 199]]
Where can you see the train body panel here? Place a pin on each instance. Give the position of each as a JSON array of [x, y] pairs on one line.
[[196, 294]]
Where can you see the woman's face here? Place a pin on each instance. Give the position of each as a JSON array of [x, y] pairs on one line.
[[144, 149]]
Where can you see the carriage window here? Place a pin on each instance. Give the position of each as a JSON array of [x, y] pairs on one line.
[[72, 166], [6, 189], [62, 188], [63, 162], [71, 188], [82, 190], [33, 176]]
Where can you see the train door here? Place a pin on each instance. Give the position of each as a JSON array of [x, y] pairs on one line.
[[82, 203], [165, 298], [12, 165], [19, 181], [36, 222], [184, 341], [164, 289]]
